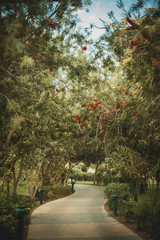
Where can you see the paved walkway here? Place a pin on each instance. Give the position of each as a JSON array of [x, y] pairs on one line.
[[79, 216]]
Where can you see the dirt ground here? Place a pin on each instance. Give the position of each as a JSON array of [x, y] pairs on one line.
[[131, 225]]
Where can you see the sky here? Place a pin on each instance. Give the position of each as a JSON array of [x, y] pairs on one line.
[[99, 9]]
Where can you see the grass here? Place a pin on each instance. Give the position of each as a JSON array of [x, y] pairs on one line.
[[150, 195], [84, 182], [88, 183]]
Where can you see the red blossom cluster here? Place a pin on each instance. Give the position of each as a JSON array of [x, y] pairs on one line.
[[157, 63], [96, 105], [50, 69], [124, 90], [35, 56], [7, 178], [136, 43], [52, 25], [84, 48], [132, 23], [77, 118]]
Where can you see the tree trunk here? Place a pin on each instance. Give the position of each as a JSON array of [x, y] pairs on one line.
[[35, 184], [44, 171], [95, 174], [69, 173], [16, 180]]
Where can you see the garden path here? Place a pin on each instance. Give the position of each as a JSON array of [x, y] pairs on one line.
[[80, 216]]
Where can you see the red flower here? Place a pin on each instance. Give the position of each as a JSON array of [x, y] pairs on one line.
[[50, 69], [83, 105], [130, 21], [52, 25], [77, 118], [35, 56], [84, 48], [100, 107], [132, 44], [124, 90], [105, 135], [103, 115], [117, 84], [81, 126], [157, 63], [101, 122], [94, 109], [57, 90], [95, 100], [137, 115], [99, 102], [134, 25], [90, 104], [125, 104], [117, 106]]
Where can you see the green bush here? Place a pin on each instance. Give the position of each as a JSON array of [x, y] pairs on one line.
[[83, 176], [84, 168], [116, 179], [8, 219], [127, 208], [90, 176], [142, 214], [121, 189], [57, 191], [78, 176], [155, 220]]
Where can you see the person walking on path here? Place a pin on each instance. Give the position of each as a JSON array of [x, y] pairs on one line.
[[76, 217]]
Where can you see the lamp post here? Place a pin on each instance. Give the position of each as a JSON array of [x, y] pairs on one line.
[[71, 177], [41, 190], [114, 198], [72, 185], [20, 212]]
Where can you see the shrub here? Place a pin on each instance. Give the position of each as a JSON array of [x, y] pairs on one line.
[[57, 191], [156, 223], [127, 208], [116, 179], [121, 189], [142, 214], [84, 168], [8, 219]]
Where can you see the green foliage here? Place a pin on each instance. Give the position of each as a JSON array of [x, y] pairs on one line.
[[142, 214], [83, 176], [84, 168], [100, 174], [121, 189], [8, 219], [53, 192], [127, 208]]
